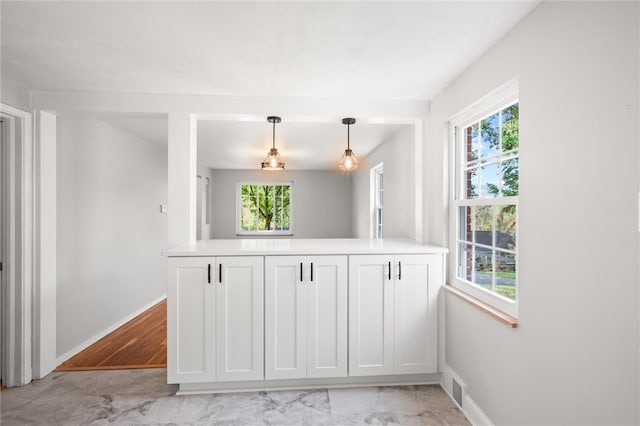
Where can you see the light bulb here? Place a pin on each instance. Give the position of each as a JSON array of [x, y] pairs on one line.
[[348, 162]]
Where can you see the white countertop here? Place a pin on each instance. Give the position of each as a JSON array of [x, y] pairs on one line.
[[302, 246]]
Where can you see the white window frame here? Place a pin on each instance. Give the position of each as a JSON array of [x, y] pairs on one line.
[[488, 105], [240, 231], [374, 203]]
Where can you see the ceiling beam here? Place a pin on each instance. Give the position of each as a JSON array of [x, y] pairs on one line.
[[210, 107]]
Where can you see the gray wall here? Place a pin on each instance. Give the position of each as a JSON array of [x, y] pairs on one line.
[[321, 201], [575, 357], [110, 229], [12, 93], [396, 154]]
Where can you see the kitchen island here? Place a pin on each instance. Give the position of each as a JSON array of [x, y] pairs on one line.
[[248, 314]]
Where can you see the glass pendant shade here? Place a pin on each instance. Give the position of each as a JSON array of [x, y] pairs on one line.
[[273, 160], [349, 161]]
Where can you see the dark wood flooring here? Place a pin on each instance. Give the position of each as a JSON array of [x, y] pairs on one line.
[[140, 343]]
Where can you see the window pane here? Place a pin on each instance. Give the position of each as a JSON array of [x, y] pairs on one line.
[[286, 207], [265, 208], [489, 141], [506, 227], [483, 267], [249, 207], [465, 261], [510, 177], [464, 233], [506, 274], [483, 226], [490, 178], [510, 128], [471, 143], [470, 189], [277, 207]]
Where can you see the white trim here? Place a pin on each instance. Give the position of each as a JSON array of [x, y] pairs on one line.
[[469, 408], [418, 174], [506, 94], [44, 306], [239, 230], [298, 384], [90, 341], [373, 199], [17, 334], [474, 413], [487, 105]]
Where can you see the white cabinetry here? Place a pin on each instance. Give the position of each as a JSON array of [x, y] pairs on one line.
[[393, 314], [215, 319], [305, 316], [190, 321]]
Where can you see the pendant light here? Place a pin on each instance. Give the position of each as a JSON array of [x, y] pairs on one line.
[[348, 162], [273, 160]]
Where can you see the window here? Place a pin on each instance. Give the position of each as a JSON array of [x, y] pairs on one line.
[[377, 197], [264, 209], [485, 203]]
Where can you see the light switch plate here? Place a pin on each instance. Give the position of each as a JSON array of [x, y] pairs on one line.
[[163, 208]]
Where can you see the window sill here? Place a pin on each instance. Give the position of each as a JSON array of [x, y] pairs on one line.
[[496, 313], [265, 234]]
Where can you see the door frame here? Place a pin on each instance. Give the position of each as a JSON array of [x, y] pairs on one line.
[[19, 248]]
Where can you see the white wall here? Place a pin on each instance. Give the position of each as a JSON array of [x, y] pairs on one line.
[[321, 201], [110, 229], [575, 357], [397, 155]]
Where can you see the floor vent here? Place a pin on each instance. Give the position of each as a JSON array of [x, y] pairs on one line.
[[457, 392]]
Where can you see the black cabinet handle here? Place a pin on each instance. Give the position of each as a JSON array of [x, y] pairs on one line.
[[389, 271], [399, 271], [300, 271], [311, 271], [220, 273], [209, 273]]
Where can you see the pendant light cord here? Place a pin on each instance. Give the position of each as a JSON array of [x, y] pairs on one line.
[[348, 136], [274, 134]]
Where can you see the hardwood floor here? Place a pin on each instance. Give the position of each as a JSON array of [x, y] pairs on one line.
[[140, 343]]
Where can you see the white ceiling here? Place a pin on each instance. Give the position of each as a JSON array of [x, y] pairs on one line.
[[314, 146], [244, 144], [310, 49]]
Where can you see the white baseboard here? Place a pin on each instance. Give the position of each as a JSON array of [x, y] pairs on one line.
[[313, 383], [84, 345], [469, 408], [476, 416]]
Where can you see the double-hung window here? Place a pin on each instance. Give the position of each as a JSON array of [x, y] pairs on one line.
[[484, 213], [265, 209]]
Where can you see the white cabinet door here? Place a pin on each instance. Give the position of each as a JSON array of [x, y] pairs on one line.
[[190, 325], [417, 280], [285, 317], [327, 316], [370, 315], [239, 318]]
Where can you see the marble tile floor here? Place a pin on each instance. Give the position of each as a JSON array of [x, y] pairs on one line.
[[137, 397]]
